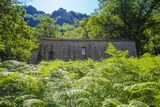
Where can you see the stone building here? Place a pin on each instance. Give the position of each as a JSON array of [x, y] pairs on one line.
[[73, 49]]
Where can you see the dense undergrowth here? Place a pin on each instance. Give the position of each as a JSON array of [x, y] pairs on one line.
[[114, 82]]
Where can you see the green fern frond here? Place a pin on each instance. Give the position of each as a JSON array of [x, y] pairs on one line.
[[19, 100], [113, 51], [138, 104], [33, 103], [7, 103], [134, 104], [144, 92], [110, 103]]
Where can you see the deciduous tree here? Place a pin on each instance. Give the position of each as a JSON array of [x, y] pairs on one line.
[[126, 18], [16, 36], [46, 28]]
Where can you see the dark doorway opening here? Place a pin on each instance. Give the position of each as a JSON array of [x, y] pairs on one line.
[[51, 55]]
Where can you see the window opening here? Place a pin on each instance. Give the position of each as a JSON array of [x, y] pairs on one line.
[[83, 49], [50, 55]]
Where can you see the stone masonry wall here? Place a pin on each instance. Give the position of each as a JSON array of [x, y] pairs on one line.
[[66, 49]]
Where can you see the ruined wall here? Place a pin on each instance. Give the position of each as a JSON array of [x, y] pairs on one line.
[[64, 49]]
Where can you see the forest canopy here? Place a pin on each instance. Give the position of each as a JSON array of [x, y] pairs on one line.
[[16, 37]]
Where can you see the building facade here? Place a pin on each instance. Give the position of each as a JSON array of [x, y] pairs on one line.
[[74, 49]]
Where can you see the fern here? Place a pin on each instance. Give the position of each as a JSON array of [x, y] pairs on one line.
[[19, 100], [72, 97], [110, 103], [114, 52], [33, 103], [7, 103], [144, 92], [134, 104], [117, 81]]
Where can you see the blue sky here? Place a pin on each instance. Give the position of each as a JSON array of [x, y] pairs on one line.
[[48, 6]]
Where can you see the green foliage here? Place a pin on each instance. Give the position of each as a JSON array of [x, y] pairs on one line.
[[134, 104], [31, 20], [111, 103], [33, 103], [60, 24], [118, 81], [111, 50], [2, 47], [70, 31], [136, 20], [46, 28], [16, 39], [61, 16]]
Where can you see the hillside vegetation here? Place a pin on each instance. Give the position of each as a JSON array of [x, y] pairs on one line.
[[118, 81], [61, 16]]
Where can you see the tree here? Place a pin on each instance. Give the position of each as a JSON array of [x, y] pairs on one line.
[[16, 36], [61, 20], [81, 24], [127, 19], [31, 20], [1, 45], [61, 16], [77, 31], [46, 28]]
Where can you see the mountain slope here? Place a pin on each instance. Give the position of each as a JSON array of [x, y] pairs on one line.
[[60, 16]]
